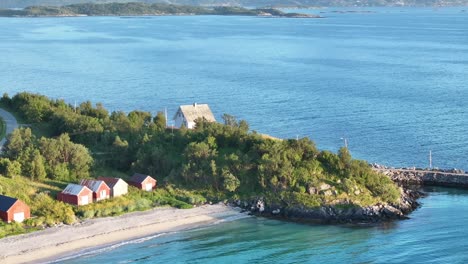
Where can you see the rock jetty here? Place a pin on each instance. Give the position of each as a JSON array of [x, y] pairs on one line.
[[418, 176]]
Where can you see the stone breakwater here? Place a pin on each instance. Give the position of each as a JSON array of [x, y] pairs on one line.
[[412, 176]]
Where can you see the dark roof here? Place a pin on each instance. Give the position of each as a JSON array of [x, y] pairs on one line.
[[74, 189], [6, 202], [139, 178], [110, 181], [94, 185]]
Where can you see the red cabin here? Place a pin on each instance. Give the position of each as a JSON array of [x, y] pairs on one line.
[[76, 194], [100, 189], [143, 182], [12, 209]]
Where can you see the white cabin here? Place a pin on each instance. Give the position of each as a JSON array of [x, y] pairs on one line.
[[118, 187], [187, 114]]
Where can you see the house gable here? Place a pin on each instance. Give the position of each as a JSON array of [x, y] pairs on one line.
[[187, 114]]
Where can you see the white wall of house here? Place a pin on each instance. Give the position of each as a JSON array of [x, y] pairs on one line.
[[121, 188], [179, 119], [84, 200], [18, 217]]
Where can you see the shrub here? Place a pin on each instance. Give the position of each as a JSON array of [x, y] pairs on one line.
[[142, 204], [88, 214]]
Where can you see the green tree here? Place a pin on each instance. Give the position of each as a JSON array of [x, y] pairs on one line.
[[13, 169], [344, 159], [10, 169], [230, 120], [62, 153], [119, 143], [230, 182], [19, 140], [5, 100], [160, 121], [38, 171]]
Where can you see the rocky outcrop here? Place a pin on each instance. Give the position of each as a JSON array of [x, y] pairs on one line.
[[335, 214]]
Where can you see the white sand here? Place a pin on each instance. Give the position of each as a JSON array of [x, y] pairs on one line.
[[52, 243]]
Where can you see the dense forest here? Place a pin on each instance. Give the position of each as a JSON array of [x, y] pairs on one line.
[[132, 9], [246, 3], [213, 162]]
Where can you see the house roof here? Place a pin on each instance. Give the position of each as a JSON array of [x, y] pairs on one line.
[[139, 178], [73, 189], [194, 111], [6, 202], [110, 181], [94, 185]]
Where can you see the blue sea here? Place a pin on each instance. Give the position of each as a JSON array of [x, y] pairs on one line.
[[393, 82]]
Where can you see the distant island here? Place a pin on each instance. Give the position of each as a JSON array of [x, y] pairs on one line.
[[246, 3], [144, 9]]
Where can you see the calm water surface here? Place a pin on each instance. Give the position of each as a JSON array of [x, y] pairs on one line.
[[394, 83], [434, 234]]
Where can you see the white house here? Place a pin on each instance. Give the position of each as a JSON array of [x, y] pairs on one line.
[[187, 114], [117, 186]]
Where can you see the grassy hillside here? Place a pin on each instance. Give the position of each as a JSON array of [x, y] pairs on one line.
[[46, 211], [214, 162]]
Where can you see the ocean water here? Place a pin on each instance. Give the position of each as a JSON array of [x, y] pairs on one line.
[[436, 233], [394, 83]]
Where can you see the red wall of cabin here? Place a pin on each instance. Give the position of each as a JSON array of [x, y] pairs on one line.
[[97, 195]]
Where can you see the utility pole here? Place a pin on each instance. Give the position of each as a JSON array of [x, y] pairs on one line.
[[165, 114], [430, 159], [345, 140]]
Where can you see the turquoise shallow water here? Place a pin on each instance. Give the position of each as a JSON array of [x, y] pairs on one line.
[[436, 233], [394, 83]]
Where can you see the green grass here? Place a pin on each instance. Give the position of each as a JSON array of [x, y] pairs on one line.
[[47, 211]]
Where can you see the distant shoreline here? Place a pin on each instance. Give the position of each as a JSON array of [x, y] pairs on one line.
[[143, 9], [63, 242]]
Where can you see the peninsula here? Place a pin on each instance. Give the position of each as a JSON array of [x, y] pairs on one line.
[[144, 9], [65, 145]]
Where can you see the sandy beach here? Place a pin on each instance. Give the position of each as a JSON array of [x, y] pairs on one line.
[[59, 242]]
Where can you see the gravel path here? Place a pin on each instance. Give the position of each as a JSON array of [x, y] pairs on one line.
[[11, 124]]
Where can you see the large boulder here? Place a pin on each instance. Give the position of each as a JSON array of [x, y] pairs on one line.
[[324, 186]]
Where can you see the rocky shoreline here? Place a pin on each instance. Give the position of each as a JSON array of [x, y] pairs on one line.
[[259, 206], [409, 179]]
